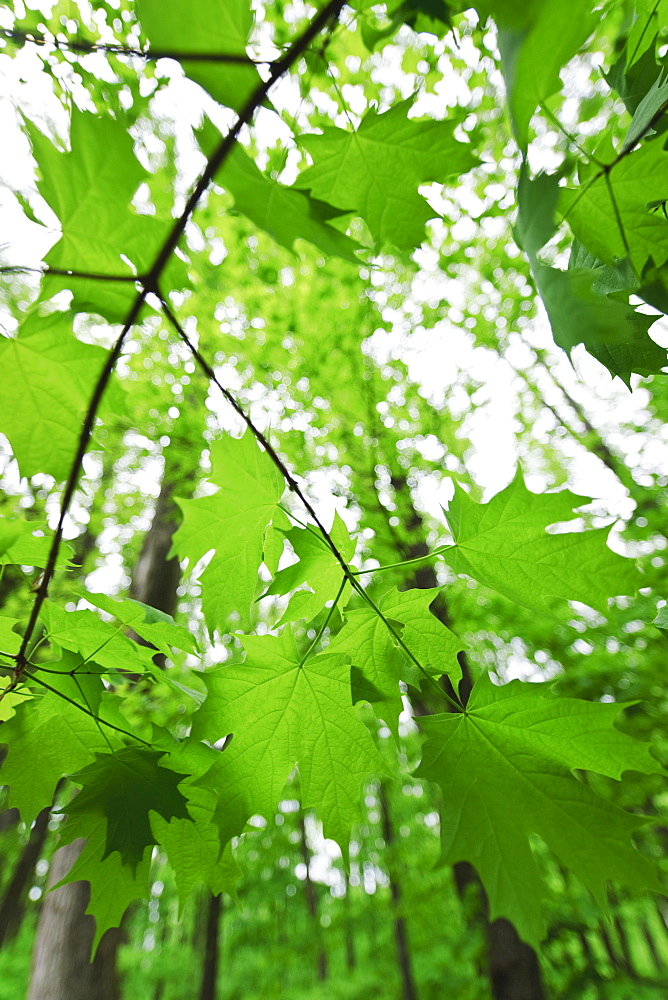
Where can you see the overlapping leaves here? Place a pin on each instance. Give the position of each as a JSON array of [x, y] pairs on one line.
[[506, 771]]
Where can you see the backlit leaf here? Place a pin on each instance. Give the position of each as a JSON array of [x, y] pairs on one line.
[[506, 772]]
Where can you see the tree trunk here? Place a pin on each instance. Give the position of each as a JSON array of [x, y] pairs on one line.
[[408, 987], [351, 960], [208, 989], [312, 901], [12, 907], [61, 968], [514, 969], [61, 955]]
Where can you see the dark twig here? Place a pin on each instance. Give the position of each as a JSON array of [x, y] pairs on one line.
[[326, 16], [257, 434], [67, 273], [293, 485], [87, 48]]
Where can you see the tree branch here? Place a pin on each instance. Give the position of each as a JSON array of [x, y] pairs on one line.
[[327, 15], [88, 48]]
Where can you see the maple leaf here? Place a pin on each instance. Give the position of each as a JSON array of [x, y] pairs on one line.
[[231, 522], [382, 663], [48, 379], [201, 27], [588, 304], [375, 171], [90, 188], [610, 212], [46, 741], [506, 767], [103, 643], [542, 37], [27, 543], [113, 884], [504, 545], [284, 212], [317, 567], [283, 711], [611, 329], [124, 786], [193, 848], [153, 625], [377, 662]]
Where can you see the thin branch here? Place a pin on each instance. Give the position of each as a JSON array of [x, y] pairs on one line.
[[328, 14], [257, 434], [67, 273], [86, 48], [621, 155], [348, 574]]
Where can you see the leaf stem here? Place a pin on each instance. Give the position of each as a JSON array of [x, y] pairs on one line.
[[324, 624], [86, 711], [396, 565]]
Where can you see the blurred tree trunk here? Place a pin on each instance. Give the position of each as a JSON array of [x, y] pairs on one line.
[[408, 987], [62, 966], [513, 966], [12, 907], [312, 900], [208, 988]]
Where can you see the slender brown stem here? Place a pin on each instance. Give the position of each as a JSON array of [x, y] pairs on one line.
[[72, 45], [326, 16]]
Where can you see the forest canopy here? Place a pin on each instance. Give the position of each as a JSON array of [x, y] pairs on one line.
[[317, 322]]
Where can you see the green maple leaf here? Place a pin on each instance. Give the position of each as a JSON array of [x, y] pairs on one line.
[[45, 741], [47, 383], [376, 170], [283, 212], [612, 211], [382, 662], [535, 46], [232, 522], [610, 329], [94, 640], [377, 663], [506, 770], [205, 27], [283, 712], [124, 786], [90, 188], [504, 545], [153, 625], [588, 304], [113, 884], [318, 567], [434, 645], [75, 679], [193, 848], [23, 548]]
